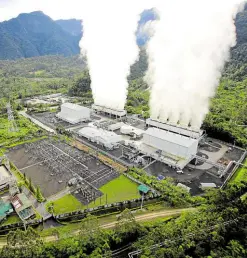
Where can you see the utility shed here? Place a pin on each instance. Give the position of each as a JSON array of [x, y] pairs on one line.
[[102, 137], [5, 209], [73, 113], [207, 185], [22, 206], [171, 143]]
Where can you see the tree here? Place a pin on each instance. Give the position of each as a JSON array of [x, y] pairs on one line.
[[31, 186], [22, 244], [39, 195], [126, 226]]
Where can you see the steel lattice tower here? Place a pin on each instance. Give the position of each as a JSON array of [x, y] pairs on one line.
[[12, 127]]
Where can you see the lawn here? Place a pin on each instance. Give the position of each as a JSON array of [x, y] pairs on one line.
[[12, 219], [241, 174], [119, 189]]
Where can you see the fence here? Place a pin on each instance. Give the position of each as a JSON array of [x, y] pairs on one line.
[[107, 209]]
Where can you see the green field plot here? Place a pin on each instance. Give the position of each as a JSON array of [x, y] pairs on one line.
[[12, 219], [119, 189], [241, 174]]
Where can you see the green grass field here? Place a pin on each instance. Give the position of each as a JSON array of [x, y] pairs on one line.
[[12, 219], [119, 189], [241, 174]]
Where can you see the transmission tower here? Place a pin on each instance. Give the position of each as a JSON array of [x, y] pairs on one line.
[[12, 127]]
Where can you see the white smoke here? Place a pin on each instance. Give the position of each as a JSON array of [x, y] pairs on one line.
[[190, 44], [109, 42]]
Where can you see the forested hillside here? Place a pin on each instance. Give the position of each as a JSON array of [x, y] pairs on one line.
[[35, 34], [72, 26]]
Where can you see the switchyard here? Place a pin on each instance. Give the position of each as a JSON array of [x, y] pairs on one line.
[[160, 148], [57, 167]]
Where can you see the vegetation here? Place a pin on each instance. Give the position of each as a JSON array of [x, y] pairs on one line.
[[171, 194], [26, 131], [217, 229], [42, 36], [12, 219], [240, 174]]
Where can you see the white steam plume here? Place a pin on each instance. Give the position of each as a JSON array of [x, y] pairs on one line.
[[109, 42], [190, 44]]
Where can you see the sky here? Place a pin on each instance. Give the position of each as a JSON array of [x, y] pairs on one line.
[[56, 9]]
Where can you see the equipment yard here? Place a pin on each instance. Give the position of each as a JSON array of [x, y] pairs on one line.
[[52, 164]]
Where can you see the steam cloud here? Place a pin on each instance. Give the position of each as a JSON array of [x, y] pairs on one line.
[[189, 46], [109, 43]]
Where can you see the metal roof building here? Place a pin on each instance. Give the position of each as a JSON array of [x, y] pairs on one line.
[[102, 137], [5, 209], [22, 206], [170, 148], [73, 113], [110, 111], [178, 129]]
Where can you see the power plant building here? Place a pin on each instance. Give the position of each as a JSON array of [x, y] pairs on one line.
[[109, 140], [178, 129], [109, 111], [178, 150], [73, 113]]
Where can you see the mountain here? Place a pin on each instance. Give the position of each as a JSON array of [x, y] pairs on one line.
[[72, 26], [35, 34]]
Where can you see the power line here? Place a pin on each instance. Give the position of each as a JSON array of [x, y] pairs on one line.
[[166, 242], [12, 127]]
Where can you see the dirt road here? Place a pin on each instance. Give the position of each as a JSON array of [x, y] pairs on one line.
[[139, 218]]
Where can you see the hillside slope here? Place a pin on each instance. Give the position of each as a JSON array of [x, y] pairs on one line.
[[35, 34]]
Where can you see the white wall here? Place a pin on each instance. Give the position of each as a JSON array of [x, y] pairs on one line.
[[170, 147]]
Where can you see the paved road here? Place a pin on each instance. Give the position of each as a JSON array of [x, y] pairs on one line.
[[35, 121]]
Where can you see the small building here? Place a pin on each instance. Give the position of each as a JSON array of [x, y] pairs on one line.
[[110, 111], [185, 187], [132, 131], [143, 189], [73, 113], [109, 140], [5, 209], [22, 206], [207, 185], [6, 178], [116, 126]]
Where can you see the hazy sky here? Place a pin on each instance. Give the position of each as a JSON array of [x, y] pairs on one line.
[[56, 9]]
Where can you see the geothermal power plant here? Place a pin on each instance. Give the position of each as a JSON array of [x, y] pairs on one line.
[[110, 128]]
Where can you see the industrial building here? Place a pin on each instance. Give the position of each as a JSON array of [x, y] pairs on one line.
[[177, 129], [132, 131], [109, 111], [73, 113], [109, 140], [171, 148]]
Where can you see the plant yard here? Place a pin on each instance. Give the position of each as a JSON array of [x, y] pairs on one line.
[[119, 189]]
